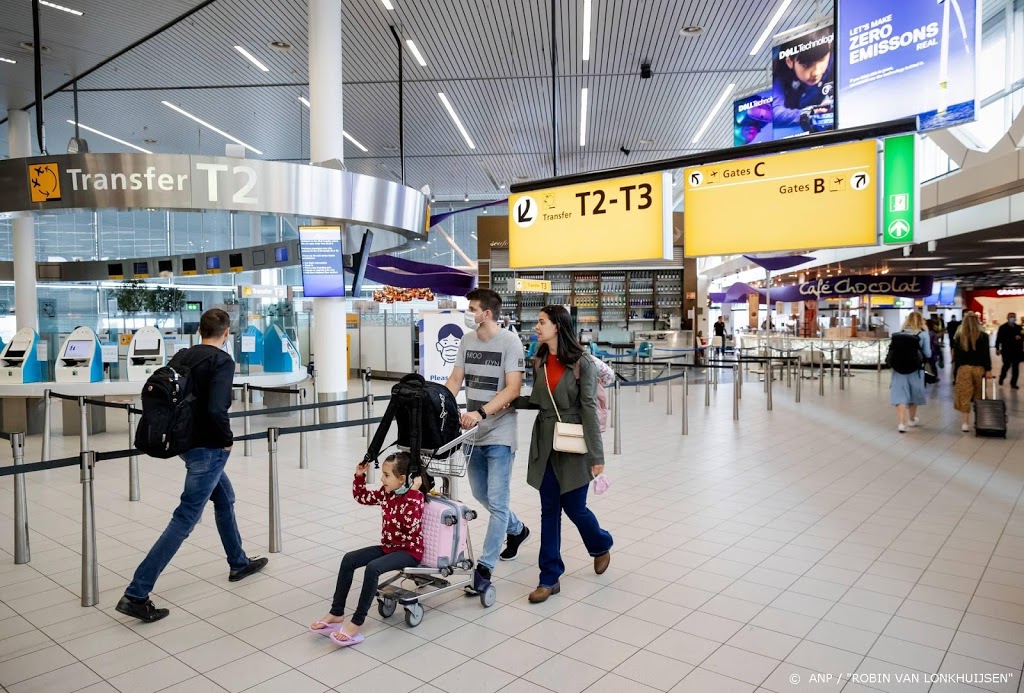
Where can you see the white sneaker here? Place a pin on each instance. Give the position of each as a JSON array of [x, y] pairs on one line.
[[965, 428], [914, 422], [902, 428]]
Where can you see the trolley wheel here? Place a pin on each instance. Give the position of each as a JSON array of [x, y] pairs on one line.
[[450, 521], [386, 607], [488, 596], [468, 514], [413, 615]]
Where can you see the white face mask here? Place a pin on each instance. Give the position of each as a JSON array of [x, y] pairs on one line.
[[470, 320]]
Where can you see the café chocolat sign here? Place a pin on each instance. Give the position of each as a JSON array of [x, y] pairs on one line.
[[857, 285]]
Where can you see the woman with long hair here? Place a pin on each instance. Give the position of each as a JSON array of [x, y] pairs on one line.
[[565, 390], [973, 362], [906, 391]]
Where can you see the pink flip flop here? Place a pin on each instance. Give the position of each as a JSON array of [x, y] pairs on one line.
[[326, 627], [348, 642]]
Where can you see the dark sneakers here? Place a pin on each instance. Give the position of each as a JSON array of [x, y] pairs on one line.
[[142, 610], [255, 565], [512, 544]]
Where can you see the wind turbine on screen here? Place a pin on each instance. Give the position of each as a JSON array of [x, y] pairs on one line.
[[944, 59]]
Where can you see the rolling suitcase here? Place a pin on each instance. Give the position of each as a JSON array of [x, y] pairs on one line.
[[446, 534], [989, 415]]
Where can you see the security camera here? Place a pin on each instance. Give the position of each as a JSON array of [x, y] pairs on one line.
[[624, 150], [645, 71], [932, 246], [906, 250]]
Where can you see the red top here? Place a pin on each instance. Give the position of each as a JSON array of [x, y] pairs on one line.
[[556, 369], [402, 521]]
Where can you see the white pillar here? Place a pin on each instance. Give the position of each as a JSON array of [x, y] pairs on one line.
[[26, 307], [330, 352]]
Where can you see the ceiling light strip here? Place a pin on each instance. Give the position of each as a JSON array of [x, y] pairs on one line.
[[455, 118], [586, 29], [415, 52], [211, 127], [252, 58], [388, 5], [305, 102], [8, 60], [776, 18], [711, 114], [583, 117], [61, 8], [110, 137]]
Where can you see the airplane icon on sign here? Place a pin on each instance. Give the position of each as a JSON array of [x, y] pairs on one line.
[[837, 184]]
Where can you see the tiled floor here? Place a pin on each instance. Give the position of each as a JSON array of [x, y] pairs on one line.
[[809, 542]]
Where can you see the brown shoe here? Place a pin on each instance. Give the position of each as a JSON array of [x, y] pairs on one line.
[[541, 594], [601, 562]]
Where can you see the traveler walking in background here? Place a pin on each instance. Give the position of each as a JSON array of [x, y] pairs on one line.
[[720, 333], [908, 352], [1010, 345], [951, 329], [565, 393], [973, 361], [210, 371]]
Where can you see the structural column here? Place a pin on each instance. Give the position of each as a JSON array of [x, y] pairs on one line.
[[19, 132], [330, 351]]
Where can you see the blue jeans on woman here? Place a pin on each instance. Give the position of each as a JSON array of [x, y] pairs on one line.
[[205, 480], [574, 503]]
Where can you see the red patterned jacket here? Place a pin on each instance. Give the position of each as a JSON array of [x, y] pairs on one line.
[[402, 521]]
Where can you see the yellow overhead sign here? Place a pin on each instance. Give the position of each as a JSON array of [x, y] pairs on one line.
[[810, 199], [542, 286], [612, 220]]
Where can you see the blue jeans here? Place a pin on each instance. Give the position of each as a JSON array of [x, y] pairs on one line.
[[205, 480], [490, 478], [574, 503]]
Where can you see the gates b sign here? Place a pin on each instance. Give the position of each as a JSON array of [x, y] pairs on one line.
[[810, 199]]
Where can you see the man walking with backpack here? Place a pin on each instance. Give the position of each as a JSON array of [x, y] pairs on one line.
[[491, 364], [205, 372]]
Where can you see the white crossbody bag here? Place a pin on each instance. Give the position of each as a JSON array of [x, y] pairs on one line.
[[568, 436]]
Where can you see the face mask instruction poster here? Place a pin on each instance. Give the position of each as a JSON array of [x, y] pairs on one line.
[[913, 57], [440, 337]]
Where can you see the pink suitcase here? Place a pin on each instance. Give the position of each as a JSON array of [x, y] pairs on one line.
[[446, 534]]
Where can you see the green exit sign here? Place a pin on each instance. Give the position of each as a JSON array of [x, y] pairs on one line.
[[901, 205]]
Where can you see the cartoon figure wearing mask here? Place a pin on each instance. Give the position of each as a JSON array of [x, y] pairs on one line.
[[449, 337], [803, 90]]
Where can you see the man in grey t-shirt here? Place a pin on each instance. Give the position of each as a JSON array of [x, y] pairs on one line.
[[491, 364]]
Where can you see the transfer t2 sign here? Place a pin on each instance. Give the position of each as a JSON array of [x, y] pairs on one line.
[[323, 272], [906, 58]]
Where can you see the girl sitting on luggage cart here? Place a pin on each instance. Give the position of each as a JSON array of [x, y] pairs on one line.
[[401, 546]]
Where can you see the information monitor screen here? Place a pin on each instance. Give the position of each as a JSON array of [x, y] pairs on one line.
[[78, 349], [323, 272]]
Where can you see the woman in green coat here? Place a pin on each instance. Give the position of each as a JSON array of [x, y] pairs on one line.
[[563, 478]]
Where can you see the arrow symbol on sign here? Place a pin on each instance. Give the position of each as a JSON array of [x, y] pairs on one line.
[[696, 178], [524, 212], [899, 229], [860, 181]]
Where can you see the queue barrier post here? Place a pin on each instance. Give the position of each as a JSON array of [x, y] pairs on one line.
[[134, 487], [90, 564], [799, 379], [737, 376], [650, 389], [618, 419], [366, 392], [821, 375], [707, 388], [316, 400], [668, 398], [22, 552], [246, 422], [686, 388], [303, 447], [275, 492], [47, 408], [612, 406], [83, 438], [736, 393], [769, 377], [369, 415]]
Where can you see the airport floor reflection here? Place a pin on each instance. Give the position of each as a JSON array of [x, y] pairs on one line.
[[763, 554]]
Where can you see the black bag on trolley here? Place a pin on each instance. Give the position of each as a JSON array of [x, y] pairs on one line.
[[427, 416]]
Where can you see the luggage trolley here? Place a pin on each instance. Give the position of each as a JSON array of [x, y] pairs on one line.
[[436, 581]]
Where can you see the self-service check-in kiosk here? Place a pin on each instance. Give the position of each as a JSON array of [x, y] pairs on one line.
[[80, 358], [19, 360], [251, 347], [279, 352], [146, 353]]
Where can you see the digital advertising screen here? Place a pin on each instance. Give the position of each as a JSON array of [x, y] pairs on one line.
[[320, 251], [165, 267], [280, 255], [188, 265], [140, 269], [752, 119], [914, 57], [213, 264], [803, 84]]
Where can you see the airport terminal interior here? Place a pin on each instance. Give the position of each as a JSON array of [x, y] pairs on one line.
[[786, 235]]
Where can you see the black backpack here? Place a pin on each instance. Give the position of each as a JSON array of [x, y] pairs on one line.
[[427, 416], [905, 355], [168, 409]]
